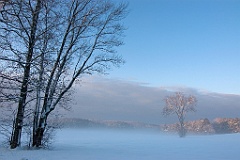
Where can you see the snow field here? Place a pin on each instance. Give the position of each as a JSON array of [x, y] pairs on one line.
[[107, 144]]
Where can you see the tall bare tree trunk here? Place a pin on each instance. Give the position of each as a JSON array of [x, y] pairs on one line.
[[37, 107], [17, 130], [40, 131]]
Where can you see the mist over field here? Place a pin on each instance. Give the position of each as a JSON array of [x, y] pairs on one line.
[[108, 99], [87, 79], [109, 144], [119, 101]]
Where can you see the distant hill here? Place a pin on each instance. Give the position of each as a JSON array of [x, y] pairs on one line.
[[202, 126], [86, 123]]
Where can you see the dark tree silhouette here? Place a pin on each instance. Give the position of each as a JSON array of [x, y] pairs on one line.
[[49, 45]]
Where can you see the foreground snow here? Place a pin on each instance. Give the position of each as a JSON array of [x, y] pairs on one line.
[[87, 144]]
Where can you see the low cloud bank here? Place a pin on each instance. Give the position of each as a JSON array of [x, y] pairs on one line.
[[109, 99]]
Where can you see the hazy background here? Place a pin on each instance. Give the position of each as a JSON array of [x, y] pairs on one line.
[[191, 46], [100, 98]]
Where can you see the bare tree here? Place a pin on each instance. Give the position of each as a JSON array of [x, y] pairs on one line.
[[180, 105], [52, 44], [19, 22], [88, 36]]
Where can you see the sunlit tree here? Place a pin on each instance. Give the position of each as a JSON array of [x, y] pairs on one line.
[[180, 105]]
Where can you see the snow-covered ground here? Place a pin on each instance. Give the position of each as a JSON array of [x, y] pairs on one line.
[[90, 144]]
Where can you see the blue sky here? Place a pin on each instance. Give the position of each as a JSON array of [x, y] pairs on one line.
[[191, 43]]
